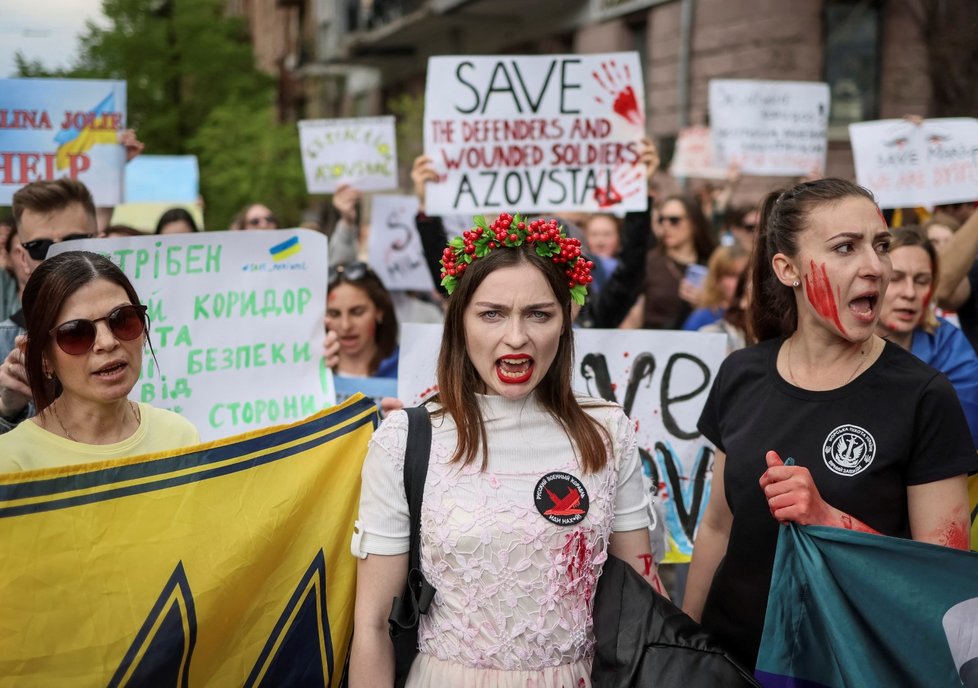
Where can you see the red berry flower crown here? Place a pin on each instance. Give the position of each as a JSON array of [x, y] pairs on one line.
[[547, 237]]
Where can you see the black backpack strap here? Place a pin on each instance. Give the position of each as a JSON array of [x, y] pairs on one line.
[[418, 594]]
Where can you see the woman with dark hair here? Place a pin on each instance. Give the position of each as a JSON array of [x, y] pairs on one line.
[[85, 334], [360, 310], [176, 221], [872, 438], [685, 239], [528, 486], [907, 320]]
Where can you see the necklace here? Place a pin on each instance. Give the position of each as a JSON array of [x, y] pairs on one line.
[[859, 365], [54, 407]]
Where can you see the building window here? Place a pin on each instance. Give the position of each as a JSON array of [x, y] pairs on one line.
[[852, 61]]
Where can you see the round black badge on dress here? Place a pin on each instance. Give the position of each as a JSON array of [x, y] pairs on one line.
[[561, 498]]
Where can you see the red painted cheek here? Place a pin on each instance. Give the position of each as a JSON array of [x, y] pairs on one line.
[[818, 289]]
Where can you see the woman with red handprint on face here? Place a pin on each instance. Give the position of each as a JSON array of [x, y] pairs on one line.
[[822, 422]]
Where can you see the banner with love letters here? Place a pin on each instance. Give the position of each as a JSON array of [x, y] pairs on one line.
[[661, 378], [535, 133]]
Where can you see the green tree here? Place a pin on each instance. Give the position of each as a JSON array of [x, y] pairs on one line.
[[186, 66]]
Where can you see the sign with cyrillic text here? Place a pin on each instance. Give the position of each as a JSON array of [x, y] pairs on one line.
[[535, 133], [361, 152], [661, 378], [236, 323], [694, 155], [394, 246], [907, 165], [770, 127], [52, 128]]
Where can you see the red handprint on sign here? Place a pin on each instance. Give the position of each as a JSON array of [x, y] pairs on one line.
[[616, 82], [625, 182]]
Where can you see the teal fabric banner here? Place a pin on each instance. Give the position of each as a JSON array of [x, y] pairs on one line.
[[853, 609]]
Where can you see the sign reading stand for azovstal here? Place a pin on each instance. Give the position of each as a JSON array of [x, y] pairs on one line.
[[236, 322]]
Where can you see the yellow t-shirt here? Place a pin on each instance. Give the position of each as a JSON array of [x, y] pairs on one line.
[[29, 446]]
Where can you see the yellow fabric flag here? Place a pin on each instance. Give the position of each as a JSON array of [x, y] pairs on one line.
[[227, 564]]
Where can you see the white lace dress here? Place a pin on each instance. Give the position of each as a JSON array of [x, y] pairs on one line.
[[515, 590]]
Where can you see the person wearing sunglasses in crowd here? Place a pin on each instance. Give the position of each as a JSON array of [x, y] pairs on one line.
[[255, 216], [45, 213], [360, 311], [83, 354]]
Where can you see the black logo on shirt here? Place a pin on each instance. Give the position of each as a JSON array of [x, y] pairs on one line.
[[561, 499], [848, 450]]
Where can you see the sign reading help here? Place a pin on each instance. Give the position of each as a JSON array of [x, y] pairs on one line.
[[907, 165], [769, 127], [661, 378], [535, 133], [361, 152], [236, 322], [52, 128]]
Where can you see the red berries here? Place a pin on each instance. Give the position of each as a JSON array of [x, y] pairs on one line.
[[504, 231]]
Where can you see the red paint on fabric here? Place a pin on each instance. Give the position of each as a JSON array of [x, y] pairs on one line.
[[647, 561], [818, 289]]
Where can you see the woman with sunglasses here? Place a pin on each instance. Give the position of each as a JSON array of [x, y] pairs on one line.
[[85, 335], [685, 238], [360, 311]]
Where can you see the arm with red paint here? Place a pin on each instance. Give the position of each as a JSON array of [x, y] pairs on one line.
[[632, 546], [792, 496], [939, 512], [712, 536]]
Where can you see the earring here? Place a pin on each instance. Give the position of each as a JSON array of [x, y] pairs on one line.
[[796, 284]]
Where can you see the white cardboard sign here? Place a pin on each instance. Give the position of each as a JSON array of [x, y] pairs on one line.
[[535, 133], [660, 377], [361, 152], [236, 321], [394, 246], [769, 127], [907, 165], [694, 155]]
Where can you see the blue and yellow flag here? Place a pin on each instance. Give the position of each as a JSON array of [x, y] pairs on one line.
[[225, 565], [854, 609], [75, 140]]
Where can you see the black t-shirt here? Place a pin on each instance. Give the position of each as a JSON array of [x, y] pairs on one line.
[[899, 423], [968, 312]]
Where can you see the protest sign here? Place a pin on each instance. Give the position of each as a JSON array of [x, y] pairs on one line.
[[51, 128], [769, 127], [394, 246], [907, 165], [224, 565], [236, 324], [694, 155], [162, 178], [661, 378], [535, 133], [361, 152]]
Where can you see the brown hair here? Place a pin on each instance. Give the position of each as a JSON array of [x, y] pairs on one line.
[[370, 284], [704, 239], [723, 262], [783, 216], [49, 286], [912, 235], [458, 379], [50, 195], [941, 219]]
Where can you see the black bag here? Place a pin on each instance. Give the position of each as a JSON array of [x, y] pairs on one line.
[[407, 609], [643, 639]]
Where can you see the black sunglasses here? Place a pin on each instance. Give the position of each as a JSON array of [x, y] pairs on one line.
[[38, 249], [350, 272], [673, 220], [77, 337]]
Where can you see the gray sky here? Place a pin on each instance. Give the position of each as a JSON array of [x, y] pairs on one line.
[[43, 29]]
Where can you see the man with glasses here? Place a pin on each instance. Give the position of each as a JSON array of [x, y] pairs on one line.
[[46, 213]]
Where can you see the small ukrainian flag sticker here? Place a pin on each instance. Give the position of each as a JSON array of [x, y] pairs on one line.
[[286, 249]]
